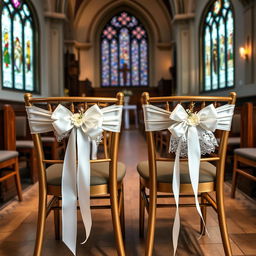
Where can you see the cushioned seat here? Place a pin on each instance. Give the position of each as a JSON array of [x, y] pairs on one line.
[[249, 153], [165, 170], [232, 141], [7, 154], [24, 144], [99, 173], [48, 139]]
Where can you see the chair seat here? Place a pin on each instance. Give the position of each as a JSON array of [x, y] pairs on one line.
[[249, 153], [165, 172], [99, 173], [232, 141], [48, 139], [7, 154], [24, 144]]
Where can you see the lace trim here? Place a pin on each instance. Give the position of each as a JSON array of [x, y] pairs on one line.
[[207, 143], [59, 138]]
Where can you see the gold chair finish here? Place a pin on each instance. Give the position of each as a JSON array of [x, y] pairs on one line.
[[149, 201], [113, 189]]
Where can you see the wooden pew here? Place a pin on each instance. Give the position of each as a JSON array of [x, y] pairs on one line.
[[245, 157], [9, 165]]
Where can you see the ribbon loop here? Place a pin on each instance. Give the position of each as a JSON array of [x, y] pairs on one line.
[[82, 128]]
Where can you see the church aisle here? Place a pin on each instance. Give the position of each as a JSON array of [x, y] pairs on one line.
[[18, 221]]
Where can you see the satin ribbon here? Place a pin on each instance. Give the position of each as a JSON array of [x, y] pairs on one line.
[[83, 128], [184, 124]]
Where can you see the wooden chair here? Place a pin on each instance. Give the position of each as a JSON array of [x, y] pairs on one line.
[[9, 157], [25, 145], [245, 157], [156, 174], [106, 174]]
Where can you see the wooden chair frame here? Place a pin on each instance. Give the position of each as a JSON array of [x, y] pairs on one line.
[[113, 190], [238, 170], [149, 201], [247, 141], [10, 144]]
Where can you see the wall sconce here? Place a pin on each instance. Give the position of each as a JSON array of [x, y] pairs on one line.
[[244, 53]]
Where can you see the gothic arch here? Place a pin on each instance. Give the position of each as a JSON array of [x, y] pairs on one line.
[[92, 16], [110, 8]]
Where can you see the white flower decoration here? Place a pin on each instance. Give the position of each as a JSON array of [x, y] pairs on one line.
[[193, 119], [77, 119]]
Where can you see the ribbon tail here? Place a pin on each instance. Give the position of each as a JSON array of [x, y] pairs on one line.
[[83, 177], [94, 149], [176, 192], [69, 195], [194, 155]]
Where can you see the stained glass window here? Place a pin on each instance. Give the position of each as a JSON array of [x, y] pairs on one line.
[[124, 52], [18, 37], [218, 46]]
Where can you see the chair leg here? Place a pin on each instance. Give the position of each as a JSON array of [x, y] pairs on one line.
[[116, 220], [151, 221], [142, 211], [222, 220], [40, 223], [33, 166], [204, 212], [17, 180], [57, 219], [234, 179], [122, 215]]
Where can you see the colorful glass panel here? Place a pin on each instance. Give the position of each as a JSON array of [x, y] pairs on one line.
[[29, 56], [114, 63], [17, 46], [135, 63], [230, 49], [218, 46], [222, 53], [208, 57], [18, 52], [6, 49], [125, 63], [214, 57], [16, 3], [105, 62], [124, 58], [144, 63]]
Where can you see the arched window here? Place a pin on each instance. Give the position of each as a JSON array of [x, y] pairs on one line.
[[124, 52], [18, 46], [218, 46]]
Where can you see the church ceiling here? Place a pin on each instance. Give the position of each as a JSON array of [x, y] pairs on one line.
[[165, 2]]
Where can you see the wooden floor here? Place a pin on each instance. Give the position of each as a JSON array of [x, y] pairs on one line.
[[18, 222]]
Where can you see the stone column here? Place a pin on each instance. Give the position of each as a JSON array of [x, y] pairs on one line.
[[55, 46], [183, 27]]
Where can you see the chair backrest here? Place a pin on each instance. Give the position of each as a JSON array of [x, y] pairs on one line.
[[74, 104], [9, 130], [247, 127], [195, 103], [21, 126]]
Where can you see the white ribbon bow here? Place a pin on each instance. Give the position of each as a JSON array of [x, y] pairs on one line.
[[186, 124], [83, 128], [187, 127]]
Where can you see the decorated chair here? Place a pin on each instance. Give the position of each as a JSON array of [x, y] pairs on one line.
[[245, 157], [192, 121], [9, 161], [82, 121]]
